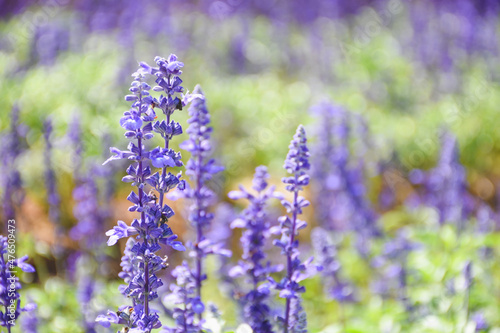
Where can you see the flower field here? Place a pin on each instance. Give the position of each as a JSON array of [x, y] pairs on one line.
[[249, 166]]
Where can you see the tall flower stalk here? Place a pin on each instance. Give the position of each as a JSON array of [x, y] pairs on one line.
[[53, 197], [87, 209], [50, 177], [200, 169], [393, 264], [297, 165], [445, 186], [89, 230], [329, 155], [220, 232], [151, 227], [184, 295], [327, 256], [30, 322], [13, 193], [255, 222], [338, 178]]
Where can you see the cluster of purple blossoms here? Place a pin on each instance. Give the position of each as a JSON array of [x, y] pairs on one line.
[[87, 210], [184, 294], [257, 230], [477, 34], [50, 179], [49, 41], [200, 169], [393, 265], [326, 255], [330, 154], [129, 265], [296, 164], [89, 230], [480, 321], [339, 179], [10, 301], [53, 197], [13, 193], [140, 263], [74, 134], [30, 322], [151, 227], [221, 233], [445, 186]]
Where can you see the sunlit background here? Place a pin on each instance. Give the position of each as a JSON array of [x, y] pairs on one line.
[[400, 103]]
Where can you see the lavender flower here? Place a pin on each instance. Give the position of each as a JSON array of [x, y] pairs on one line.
[[13, 193], [200, 169], [30, 322], [477, 34], [87, 211], [49, 40], [152, 227], [296, 164], [89, 228], [90, 214], [445, 186], [338, 179], [447, 182], [256, 225], [86, 289], [221, 233], [106, 175], [184, 292], [394, 265], [10, 301], [298, 317], [326, 254], [330, 156], [53, 197], [75, 140], [480, 320], [127, 315]]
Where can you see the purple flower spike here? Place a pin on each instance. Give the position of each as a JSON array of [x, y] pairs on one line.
[[9, 295], [30, 322], [326, 254], [480, 320], [200, 169], [140, 263], [91, 209], [338, 177], [183, 293], [54, 199], [393, 264], [13, 193], [256, 230], [296, 164], [445, 186]]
